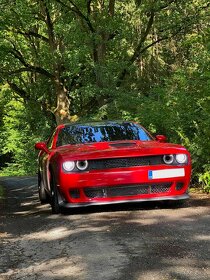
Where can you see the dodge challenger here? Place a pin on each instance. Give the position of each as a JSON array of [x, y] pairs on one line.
[[94, 163]]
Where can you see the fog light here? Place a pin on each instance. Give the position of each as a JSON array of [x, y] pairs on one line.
[[74, 193], [179, 186]]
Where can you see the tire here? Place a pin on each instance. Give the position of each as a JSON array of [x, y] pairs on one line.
[[41, 190], [54, 196]]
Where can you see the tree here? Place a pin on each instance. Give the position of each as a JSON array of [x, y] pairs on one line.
[[31, 54], [73, 57], [64, 60]]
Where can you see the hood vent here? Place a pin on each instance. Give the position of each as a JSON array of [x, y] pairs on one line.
[[121, 145]]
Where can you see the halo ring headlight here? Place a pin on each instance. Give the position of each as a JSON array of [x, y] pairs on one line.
[[181, 158], [168, 159], [82, 164], [68, 165]]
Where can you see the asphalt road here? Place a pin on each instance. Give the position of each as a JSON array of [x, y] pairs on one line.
[[126, 242]]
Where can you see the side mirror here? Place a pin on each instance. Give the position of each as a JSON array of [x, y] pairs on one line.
[[42, 147], [161, 138]]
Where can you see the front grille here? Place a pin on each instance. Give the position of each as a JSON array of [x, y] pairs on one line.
[[159, 189], [126, 190], [124, 162]]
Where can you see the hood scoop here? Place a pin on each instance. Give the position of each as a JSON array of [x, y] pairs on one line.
[[123, 145]]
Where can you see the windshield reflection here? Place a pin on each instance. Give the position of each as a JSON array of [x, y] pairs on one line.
[[80, 134]]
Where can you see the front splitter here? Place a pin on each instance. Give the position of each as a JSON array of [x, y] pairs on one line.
[[86, 204]]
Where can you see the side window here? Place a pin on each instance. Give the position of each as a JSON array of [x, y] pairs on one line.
[[50, 140], [60, 138]]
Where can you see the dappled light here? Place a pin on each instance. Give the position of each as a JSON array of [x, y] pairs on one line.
[[67, 61], [58, 268], [145, 63], [203, 237], [138, 241]]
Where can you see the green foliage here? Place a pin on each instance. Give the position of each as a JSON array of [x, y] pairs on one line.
[[204, 179], [178, 106], [142, 60], [22, 126]]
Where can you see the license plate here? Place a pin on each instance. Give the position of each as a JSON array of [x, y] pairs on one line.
[[166, 173]]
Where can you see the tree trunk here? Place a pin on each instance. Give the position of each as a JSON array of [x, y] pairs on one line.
[[62, 114]]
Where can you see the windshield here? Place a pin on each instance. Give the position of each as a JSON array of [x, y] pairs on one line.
[[79, 134]]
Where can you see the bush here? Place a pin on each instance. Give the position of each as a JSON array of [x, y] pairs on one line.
[[23, 125]]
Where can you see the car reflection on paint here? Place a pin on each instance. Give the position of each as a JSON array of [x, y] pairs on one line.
[[96, 163]]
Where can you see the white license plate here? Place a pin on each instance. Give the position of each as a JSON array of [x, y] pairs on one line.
[[166, 173]]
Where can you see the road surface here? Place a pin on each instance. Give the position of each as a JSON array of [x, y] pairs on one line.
[[126, 242]]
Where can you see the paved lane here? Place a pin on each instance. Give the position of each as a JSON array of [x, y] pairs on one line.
[[126, 242]]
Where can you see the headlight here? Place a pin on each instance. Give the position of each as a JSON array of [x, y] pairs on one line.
[[68, 165], [82, 164], [168, 159], [181, 158]]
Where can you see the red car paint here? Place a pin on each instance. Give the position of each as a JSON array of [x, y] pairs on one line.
[[118, 171]]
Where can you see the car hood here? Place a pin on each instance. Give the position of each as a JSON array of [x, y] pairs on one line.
[[117, 149]]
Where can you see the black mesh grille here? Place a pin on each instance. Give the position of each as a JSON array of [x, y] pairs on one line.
[[126, 190], [124, 162], [159, 189]]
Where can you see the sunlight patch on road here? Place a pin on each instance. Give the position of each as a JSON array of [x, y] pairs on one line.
[[60, 267], [27, 203], [202, 237], [52, 234], [59, 233], [32, 208]]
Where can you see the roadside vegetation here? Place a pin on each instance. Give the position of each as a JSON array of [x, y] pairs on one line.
[[141, 60]]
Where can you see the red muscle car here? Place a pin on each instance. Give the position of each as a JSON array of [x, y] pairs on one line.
[[108, 162]]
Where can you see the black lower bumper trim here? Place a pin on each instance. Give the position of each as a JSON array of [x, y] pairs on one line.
[[86, 204]]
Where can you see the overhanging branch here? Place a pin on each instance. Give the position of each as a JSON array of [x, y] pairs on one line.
[[21, 92], [28, 67], [33, 34], [32, 69], [74, 8], [143, 37], [184, 25]]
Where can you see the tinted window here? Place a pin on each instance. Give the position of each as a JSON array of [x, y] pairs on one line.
[[50, 140], [77, 134]]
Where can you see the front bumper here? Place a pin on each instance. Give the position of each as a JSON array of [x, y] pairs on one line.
[[136, 184]]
